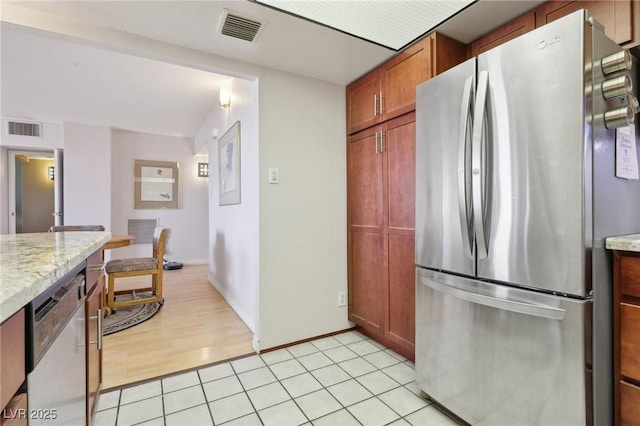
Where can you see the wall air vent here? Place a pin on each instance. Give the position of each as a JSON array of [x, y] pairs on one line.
[[237, 26], [22, 128]]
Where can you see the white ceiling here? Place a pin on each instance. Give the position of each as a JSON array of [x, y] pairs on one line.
[[59, 79]]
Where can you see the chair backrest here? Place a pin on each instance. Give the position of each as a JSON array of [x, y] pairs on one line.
[[160, 236], [63, 228]]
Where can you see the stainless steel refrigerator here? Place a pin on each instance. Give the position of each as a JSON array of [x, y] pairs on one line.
[[516, 190]]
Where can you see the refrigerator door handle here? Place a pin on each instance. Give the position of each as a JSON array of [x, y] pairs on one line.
[[478, 172], [503, 304], [464, 187]]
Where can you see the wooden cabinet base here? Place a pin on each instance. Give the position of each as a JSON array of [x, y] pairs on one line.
[[15, 413], [629, 407]]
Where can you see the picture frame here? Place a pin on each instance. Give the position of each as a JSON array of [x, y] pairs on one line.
[[155, 185], [229, 166]]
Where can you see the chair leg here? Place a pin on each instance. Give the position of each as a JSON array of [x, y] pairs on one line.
[[111, 294]]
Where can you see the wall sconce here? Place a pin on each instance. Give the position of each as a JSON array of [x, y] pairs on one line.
[[51, 172], [225, 97], [203, 169]]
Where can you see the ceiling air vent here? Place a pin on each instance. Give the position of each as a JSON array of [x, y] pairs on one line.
[[22, 128], [237, 26]]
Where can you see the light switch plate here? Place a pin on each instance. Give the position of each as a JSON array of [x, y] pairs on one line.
[[273, 175]]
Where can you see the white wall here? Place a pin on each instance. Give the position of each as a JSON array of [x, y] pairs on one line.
[[188, 223], [233, 236], [87, 175], [303, 256]]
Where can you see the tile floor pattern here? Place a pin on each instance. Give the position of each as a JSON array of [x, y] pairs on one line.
[[346, 379]]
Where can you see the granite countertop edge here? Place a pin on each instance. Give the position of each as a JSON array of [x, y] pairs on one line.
[[624, 242], [24, 274]]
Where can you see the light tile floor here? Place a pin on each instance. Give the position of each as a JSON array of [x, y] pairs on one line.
[[346, 379]]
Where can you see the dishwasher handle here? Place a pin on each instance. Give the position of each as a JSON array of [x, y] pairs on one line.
[[544, 311]]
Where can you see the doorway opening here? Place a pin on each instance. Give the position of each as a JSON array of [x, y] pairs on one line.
[[31, 191]]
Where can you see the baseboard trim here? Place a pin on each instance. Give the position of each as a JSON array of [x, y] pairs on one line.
[[234, 304]]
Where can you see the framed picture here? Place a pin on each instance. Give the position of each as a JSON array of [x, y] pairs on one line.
[[155, 185], [229, 166]]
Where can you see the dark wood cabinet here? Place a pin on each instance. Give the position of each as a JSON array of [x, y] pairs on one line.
[[620, 18], [626, 346], [94, 311], [381, 189], [381, 232], [504, 33], [390, 90], [12, 369]]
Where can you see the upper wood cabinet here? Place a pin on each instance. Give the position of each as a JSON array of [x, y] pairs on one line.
[[511, 30], [619, 17], [390, 90]]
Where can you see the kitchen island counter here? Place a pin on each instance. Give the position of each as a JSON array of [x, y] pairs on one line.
[[31, 263], [624, 243]]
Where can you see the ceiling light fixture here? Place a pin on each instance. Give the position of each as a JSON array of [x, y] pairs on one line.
[[203, 169], [389, 23]]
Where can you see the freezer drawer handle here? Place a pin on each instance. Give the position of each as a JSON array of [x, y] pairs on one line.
[[508, 305]]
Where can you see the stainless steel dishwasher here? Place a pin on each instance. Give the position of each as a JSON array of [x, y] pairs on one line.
[[56, 382]]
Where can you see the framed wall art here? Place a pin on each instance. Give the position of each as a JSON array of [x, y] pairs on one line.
[[155, 185], [229, 166]]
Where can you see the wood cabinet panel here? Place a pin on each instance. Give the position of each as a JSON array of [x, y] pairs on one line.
[[401, 76], [365, 279], [629, 406], [400, 318], [401, 156], [12, 356], [626, 338], [509, 31], [94, 311], [619, 17], [362, 102], [630, 275], [365, 185], [630, 341], [15, 414]]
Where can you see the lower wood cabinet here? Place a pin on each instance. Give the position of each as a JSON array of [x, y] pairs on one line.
[[12, 370], [94, 311], [381, 234], [626, 320]]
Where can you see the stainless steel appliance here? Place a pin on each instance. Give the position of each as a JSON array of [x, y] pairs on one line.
[[515, 192], [56, 387]]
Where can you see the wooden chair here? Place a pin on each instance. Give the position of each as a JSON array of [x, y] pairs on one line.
[[63, 228], [120, 268]]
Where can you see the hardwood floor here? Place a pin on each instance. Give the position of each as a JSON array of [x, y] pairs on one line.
[[195, 327]]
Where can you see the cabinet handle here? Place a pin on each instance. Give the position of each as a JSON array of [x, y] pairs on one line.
[[381, 104], [375, 107], [99, 341], [381, 141], [376, 141], [97, 267]]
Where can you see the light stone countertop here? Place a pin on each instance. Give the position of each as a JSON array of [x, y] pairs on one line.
[[31, 263], [624, 242]]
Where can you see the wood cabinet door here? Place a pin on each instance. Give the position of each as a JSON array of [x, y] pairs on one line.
[[399, 150], [94, 312], [630, 341], [365, 221], [400, 77], [511, 30], [617, 16], [363, 102]]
